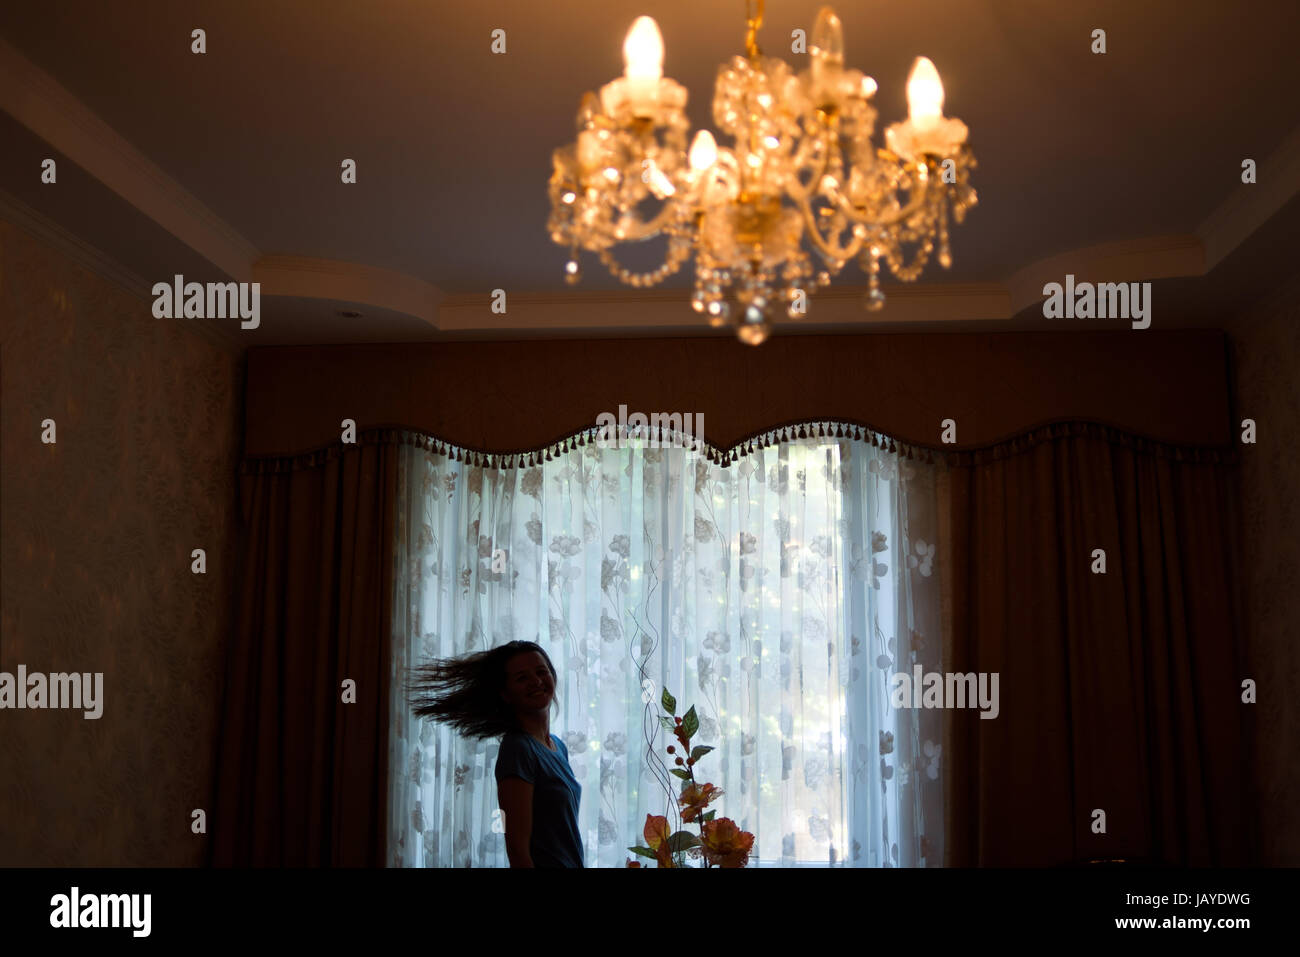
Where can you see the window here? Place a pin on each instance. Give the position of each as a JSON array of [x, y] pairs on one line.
[[776, 596]]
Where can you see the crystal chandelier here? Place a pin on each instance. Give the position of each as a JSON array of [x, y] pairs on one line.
[[745, 210]]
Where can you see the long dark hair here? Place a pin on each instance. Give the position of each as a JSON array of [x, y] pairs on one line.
[[465, 692]]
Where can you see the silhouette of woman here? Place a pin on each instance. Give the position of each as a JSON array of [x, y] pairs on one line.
[[508, 691]]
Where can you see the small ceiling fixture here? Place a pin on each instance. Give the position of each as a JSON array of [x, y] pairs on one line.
[[745, 210]]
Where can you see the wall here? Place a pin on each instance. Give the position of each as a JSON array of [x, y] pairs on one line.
[[1265, 342], [95, 540]]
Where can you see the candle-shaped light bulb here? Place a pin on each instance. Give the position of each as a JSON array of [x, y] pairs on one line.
[[643, 51], [827, 37], [924, 96], [704, 151]]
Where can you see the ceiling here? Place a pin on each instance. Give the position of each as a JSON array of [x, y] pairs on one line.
[[227, 164]]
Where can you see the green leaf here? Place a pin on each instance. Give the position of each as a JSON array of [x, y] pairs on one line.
[[690, 723], [680, 773], [710, 815], [681, 841], [644, 852], [699, 751], [669, 702], [668, 724]]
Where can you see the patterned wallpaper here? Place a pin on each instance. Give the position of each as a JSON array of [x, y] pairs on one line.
[[95, 539], [1266, 350]]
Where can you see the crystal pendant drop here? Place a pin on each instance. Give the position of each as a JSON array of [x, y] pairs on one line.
[[875, 299], [754, 327], [572, 272]]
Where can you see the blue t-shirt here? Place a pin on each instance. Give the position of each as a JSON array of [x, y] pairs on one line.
[[555, 841]]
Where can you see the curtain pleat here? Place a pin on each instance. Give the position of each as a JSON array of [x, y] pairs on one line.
[[1122, 733], [301, 768]]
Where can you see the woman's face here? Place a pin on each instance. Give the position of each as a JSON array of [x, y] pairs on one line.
[[529, 685]]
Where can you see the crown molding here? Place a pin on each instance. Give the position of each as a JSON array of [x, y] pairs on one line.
[[1250, 205], [310, 278], [36, 100], [671, 309], [1129, 260]]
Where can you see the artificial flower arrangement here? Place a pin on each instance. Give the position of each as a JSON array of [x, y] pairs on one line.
[[720, 841]]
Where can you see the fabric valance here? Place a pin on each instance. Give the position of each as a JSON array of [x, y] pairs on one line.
[[1169, 388]]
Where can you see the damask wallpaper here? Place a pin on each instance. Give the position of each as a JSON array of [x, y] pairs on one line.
[[96, 535]]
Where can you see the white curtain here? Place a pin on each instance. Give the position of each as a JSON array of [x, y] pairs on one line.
[[777, 595]]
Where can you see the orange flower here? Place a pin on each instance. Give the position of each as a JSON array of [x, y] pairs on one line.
[[695, 798], [726, 845]]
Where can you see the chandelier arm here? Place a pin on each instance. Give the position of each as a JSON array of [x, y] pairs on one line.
[[832, 252], [802, 192], [648, 230], [915, 203]]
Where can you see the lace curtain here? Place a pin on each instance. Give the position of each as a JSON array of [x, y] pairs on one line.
[[777, 595]]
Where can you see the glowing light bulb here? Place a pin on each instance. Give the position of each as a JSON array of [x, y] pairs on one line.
[[924, 96], [643, 51], [704, 151], [827, 37]]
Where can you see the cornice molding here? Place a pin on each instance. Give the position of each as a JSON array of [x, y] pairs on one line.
[[671, 309], [36, 100], [1250, 205], [1129, 260], [310, 278]]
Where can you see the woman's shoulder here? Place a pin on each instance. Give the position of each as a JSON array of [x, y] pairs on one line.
[[513, 741]]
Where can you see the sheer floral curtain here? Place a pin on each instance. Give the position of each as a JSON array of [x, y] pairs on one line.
[[777, 595]]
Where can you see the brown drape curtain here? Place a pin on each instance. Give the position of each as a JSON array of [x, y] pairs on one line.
[[1119, 691], [301, 776]]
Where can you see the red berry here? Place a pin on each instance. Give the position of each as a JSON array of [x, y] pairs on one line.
[[679, 760], [671, 749]]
